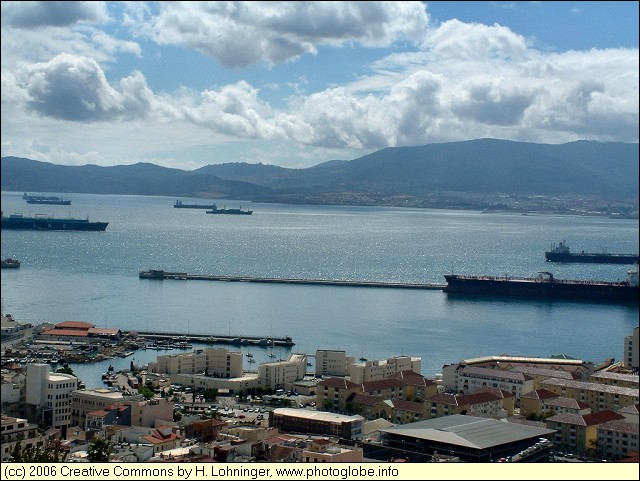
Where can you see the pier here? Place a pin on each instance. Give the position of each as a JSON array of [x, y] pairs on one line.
[[161, 275], [173, 337]]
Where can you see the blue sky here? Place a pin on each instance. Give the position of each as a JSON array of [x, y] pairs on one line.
[[186, 84]]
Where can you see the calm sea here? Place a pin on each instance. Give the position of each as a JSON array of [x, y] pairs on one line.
[[93, 277]]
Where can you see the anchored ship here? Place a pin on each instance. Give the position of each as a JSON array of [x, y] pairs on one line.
[[562, 253], [239, 211], [43, 199], [45, 222], [545, 286], [180, 205]]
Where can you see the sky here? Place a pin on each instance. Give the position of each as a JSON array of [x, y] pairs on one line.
[[294, 84]]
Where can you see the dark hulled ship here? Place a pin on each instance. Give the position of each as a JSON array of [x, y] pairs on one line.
[[45, 222], [562, 253], [545, 286]]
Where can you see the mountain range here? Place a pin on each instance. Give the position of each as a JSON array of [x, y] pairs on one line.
[[481, 172]]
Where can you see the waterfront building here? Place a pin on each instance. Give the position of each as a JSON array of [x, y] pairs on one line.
[[317, 422], [48, 396], [578, 433], [211, 361], [231, 385], [332, 363], [381, 369], [283, 374], [599, 397], [631, 347]]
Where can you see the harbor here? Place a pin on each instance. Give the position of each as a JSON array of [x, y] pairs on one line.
[[161, 275]]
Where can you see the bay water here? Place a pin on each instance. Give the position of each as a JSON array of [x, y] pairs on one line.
[[93, 277]]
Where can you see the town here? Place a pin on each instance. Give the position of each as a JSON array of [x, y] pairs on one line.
[[204, 406]]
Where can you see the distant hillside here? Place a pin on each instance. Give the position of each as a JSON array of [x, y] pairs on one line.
[[418, 175]]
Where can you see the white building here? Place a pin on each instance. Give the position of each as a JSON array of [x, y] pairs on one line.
[[48, 395], [215, 362], [282, 374], [471, 378], [332, 363], [631, 351], [382, 369], [275, 375]]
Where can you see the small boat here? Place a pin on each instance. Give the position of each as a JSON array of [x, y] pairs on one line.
[[252, 360], [10, 263]]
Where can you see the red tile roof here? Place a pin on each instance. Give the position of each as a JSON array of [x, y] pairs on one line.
[[66, 332], [540, 394], [74, 325]]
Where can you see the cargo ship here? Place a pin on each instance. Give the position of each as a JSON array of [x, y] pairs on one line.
[[45, 222], [562, 253], [545, 286], [180, 205], [239, 211], [43, 199]]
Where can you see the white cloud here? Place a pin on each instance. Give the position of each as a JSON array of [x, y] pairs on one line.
[[239, 34]]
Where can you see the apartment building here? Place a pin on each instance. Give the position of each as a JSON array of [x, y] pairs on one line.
[[616, 379], [471, 379], [327, 451], [85, 401], [617, 438], [211, 361], [599, 397], [578, 433], [14, 429], [48, 396], [381, 369]]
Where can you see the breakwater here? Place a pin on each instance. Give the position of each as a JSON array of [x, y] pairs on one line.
[[160, 275]]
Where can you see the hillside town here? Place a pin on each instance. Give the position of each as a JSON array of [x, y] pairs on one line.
[[205, 406]]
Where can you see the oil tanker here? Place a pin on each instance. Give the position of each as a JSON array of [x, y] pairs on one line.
[[545, 286], [45, 222], [562, 253]]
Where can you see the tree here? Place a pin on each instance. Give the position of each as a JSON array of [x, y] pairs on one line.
[[65, 370], [33, 454], [146, 391], [99, 450]]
